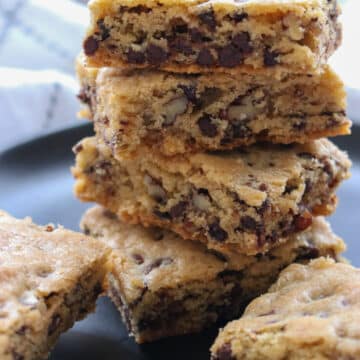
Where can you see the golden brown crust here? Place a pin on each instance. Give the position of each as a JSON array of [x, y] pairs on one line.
[[280, 35], [311, 312], [219, 199], [49, 278], [152, 263], [174, 114]]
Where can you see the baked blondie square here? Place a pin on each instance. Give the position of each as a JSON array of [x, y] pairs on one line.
[[245, 200], [192, 36], [177, 113], [49, 278], [165, 286], [312, 312]]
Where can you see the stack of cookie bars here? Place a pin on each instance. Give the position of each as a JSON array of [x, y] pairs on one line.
[[209, 158]]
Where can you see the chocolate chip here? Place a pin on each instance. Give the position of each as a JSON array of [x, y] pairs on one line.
[[264, 207], [155, 189], [270, 57], [208, 18], [327, 167], [224, 353], [139, 259], [105, 121], [230, 56], [84, 95], [155, 54], [217, 232], [218, 255], [240, 131], [159, 35], [55, 322], [140, 37], [139, 299], [209, 96], [162, 214], [261, 239], [21, 331], [105, 32], [197, 36], [231, 273], [263, 187], [239, 17], [49, 228], [299, 125], [178, 209], [242, 42], [203, 191], [86, 230], [248, 223], [207, 127], [98, 289], [205, 58], [109, 214], [179, 26], [190, 93], [17, 356], [303, 221], [308, 186], [182, 46], [135, 9], [306, 155], [135, 57], [290, 187], [157, 263], [78, 148], [91, 46], [307, 253]]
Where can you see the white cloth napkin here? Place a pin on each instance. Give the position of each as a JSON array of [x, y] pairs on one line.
[[39, 40]]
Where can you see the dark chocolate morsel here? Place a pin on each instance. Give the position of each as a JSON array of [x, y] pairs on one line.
[[155, 54], [135, 57], [205, 58], [207, 127], [230, 56], [217, 232], [178, 209], [91, 46], [54, 324], [208, 18], [270, 57]]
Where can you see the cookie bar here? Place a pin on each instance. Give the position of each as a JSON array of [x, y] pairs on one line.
[[246, 200], [192, 36], [49, 278], [165, 286], [312, 312], [184, 113]]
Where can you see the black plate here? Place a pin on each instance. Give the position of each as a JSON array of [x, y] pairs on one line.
[[35, 180]]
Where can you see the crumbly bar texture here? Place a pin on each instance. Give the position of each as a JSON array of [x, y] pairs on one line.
[[192, 36], [186, 113], [312, 312], [247, 200], [165, 286], [49, 278]]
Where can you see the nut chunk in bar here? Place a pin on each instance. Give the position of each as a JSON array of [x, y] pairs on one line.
[[194, 36], [247, 200], [49, 278], [176, 113], [312, 312], [165, 286]]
